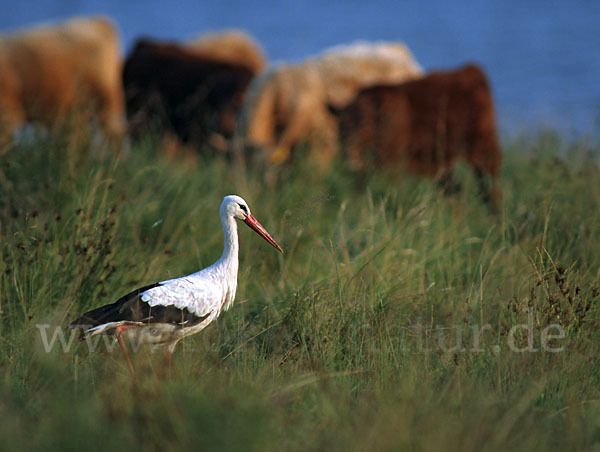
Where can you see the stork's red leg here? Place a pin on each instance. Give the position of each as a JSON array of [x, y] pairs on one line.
[[118, 331], [170, 350]]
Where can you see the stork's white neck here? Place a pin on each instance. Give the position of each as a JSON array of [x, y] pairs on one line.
[[231, 244]]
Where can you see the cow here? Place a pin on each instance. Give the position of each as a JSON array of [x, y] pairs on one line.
[[230, 46], [171, 88], [425, 126], [51, 71], [287, 106]]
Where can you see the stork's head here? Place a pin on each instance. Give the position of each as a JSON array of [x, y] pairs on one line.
[[234, 206]]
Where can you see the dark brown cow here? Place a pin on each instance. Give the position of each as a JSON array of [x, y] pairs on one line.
[[170, 88], [425, 125]]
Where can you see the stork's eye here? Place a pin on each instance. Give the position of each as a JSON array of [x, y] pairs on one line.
[[244, 208]]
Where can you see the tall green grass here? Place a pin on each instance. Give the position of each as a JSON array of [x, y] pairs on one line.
[[347, 341]]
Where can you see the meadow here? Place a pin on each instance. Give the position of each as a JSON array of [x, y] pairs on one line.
[[396, 319]]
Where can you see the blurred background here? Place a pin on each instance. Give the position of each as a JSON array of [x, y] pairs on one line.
[[542, 56]]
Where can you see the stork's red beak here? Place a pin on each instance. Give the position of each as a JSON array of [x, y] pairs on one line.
[[254, 224]]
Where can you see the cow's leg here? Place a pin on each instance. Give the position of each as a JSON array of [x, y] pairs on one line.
[[112, 113], [488, 190], [485, 157], [12, 116], [448, 183], [324, 144], [298, 130]]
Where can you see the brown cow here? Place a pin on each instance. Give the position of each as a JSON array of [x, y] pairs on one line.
[[288, 106], [168, 87], [49, 70], [231, 46], [425, 125]]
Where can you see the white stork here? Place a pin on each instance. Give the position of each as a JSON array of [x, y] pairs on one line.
[[165, 312]]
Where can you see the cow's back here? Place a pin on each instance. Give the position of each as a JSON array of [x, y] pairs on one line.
[[231, 46], [347, 69]]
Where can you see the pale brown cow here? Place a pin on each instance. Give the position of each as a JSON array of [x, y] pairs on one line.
[[231, 46], [49, 69], [424, 126], [288, 106]]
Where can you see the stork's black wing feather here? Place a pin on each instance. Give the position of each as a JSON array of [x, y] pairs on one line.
[[131, 308]]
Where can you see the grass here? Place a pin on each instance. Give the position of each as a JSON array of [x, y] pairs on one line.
[[365, 335]]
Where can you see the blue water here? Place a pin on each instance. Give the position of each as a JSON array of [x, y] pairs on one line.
[[542, 56]]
